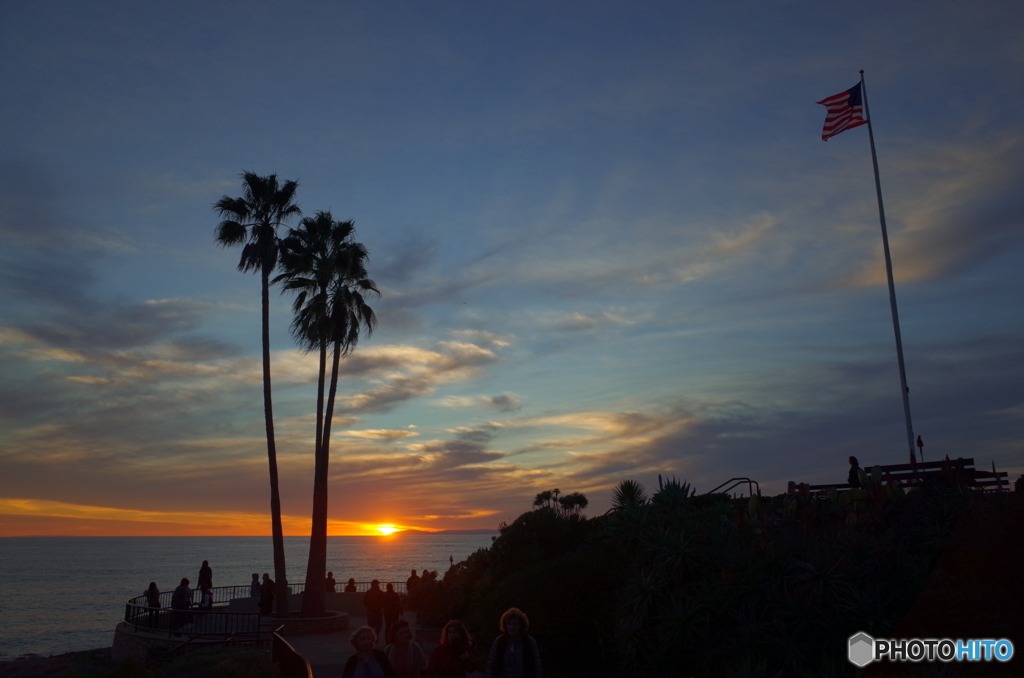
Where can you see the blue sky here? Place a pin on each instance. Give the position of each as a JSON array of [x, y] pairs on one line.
[[610, 241]]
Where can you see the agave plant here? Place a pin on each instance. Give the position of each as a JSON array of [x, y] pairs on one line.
[[628, 495], [673, 497]]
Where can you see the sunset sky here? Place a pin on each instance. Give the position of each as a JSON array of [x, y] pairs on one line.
[[609, 239]]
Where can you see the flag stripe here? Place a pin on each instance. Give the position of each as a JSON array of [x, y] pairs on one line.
[[844, 111]]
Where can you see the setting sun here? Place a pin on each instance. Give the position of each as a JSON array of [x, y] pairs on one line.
[[386, 529]]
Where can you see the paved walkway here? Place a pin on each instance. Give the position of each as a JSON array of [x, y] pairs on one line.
[[328, 652]]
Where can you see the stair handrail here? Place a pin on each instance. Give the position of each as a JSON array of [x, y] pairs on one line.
[[738, 481]]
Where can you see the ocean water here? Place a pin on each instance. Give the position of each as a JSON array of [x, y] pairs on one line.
[[62, 594]]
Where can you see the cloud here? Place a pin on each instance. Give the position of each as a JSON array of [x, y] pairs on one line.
[[381, 434], [580, 322], [50, 256], [504, 402], [964, 208], [480, 337], [405, 296], [404, 372], [841, 408], [673, 255], [406, 258], [198, 348], [467, 448], [97, 326]]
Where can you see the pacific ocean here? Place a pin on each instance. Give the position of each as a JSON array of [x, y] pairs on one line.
[[62, 594]]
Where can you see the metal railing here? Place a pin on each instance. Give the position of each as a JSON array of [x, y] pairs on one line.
[[751, 484], [221, 595], [217, 623], [361, 586]]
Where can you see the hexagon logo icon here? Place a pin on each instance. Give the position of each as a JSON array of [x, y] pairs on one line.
[[862, 649]]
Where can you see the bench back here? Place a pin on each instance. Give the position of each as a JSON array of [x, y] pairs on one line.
[[904, 473]]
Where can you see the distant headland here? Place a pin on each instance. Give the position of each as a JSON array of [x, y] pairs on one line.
[[449, 532]]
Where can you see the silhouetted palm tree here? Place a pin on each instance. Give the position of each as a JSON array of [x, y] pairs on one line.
[[252, 221], [328, 270]]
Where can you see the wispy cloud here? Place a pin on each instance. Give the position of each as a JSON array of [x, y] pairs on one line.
[[968, 212], [505, 402], [381, 434]]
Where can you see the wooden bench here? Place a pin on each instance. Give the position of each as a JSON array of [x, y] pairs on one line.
[[958, 470]]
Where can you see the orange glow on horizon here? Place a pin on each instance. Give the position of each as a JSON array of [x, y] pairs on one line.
[[41, 518]]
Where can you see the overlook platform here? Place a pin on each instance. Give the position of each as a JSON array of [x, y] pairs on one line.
[[147, 633]]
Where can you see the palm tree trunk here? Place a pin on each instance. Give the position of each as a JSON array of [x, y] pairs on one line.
[[280, 577], [317, 566], [314, 597]]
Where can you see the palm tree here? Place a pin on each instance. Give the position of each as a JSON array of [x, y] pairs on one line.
[[252, 221], [328, 270]]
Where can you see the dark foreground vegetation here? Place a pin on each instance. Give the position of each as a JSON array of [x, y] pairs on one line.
[[212, 663], [682, 585]]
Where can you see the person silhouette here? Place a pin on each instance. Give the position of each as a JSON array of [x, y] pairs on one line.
[[854, 478], [206, 599], [267, 595], [181, 601], [373, 601], [368, 661], [407, 657], [205, 576], [392, 609], [330, 583], [153, 599], [411, 582], [452, 658], [513, 653]]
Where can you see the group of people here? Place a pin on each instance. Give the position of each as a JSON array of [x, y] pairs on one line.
[[265, 591], [331, 585], [513, 654], [382, 608], [181, 600]]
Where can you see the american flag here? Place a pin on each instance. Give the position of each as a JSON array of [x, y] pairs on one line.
[[845, 111]]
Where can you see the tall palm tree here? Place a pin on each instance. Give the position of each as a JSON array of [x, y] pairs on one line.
[[252, 221], [327, 268]]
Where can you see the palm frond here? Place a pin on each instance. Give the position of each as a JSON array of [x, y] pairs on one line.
[[253, 219], [229, 232], [326, 269]]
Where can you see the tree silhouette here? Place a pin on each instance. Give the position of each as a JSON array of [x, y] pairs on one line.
[[252, 221], [573, 503], [326, 267]]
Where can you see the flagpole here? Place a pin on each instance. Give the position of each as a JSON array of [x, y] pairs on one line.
[[888, 270]]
